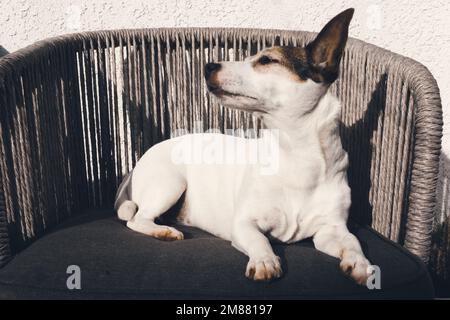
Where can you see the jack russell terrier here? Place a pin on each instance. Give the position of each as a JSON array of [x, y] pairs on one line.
[[306, 196]]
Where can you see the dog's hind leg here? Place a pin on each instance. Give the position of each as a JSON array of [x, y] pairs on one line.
[[150, 228], [158, 196]]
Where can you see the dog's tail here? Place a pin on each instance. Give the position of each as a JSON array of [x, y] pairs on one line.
[[126, 209]]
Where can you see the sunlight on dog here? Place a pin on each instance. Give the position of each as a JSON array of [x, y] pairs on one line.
[[306, 196]]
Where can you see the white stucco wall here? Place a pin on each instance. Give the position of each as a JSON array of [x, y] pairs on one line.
[[416, 28]]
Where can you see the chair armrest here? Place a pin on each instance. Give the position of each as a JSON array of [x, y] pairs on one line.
[[392, 129], [425, 167], [5, 252], [41, 153]]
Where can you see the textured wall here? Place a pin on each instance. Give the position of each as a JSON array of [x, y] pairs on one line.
[[418, 29], [415, 28]]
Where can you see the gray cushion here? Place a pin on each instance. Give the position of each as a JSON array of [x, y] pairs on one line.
[[116, 262]]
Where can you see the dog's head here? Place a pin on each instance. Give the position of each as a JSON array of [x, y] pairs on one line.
[[278, 78]]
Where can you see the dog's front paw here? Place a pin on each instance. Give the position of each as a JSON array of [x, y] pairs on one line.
[[264, 269], [356, 266]]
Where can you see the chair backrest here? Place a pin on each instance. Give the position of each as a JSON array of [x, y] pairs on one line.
[[78, 111]]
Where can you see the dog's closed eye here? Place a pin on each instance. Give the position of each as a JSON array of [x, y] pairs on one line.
[[267, 60]]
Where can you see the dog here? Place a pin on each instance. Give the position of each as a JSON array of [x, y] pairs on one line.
[[307, 196]]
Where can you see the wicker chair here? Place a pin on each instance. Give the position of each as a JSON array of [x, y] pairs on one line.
[[78, 111]]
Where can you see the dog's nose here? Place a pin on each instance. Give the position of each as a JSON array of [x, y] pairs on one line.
[[210, 68]]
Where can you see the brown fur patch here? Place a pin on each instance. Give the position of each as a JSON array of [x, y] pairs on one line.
[[213, 80], [293, 59], [166, 235], [319, 60], [326, 50]]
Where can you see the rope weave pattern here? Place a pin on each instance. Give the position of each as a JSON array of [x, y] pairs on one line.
[[78, 111]]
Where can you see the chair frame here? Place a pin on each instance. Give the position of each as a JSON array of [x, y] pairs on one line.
[[77, 112]]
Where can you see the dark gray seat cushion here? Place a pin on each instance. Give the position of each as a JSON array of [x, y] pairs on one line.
[[116, 262]]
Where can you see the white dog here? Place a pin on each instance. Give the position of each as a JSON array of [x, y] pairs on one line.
[[306, 194]]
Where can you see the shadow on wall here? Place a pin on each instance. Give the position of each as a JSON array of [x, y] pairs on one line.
[[3, 52], [440, 262]]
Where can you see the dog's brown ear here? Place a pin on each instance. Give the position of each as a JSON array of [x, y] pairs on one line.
[[324, 53]]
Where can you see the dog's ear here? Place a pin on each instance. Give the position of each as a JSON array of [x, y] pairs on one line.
[[324, 52]]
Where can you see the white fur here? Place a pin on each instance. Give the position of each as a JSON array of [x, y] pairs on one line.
[[307, 196]]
